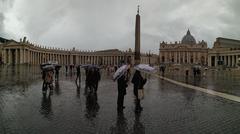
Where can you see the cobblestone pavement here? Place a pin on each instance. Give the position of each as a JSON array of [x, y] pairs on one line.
[[167, 108]]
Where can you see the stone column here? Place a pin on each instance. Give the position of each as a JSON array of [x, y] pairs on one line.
[[40, 58], [21, 56], [215, 60], [236, 60], [206, 57], [16, 56], [9, 56], [37, 58], [97, 62], [224, 60], [71, 59], [114, 60], [25, 56], [110, 60], [31, 57], [230, 60], [34, 58], [94, 59], [179, 57], [209, 61], [5, 56], [175, 56]]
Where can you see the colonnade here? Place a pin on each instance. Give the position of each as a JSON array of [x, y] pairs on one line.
[[228, 60], [35, 57]]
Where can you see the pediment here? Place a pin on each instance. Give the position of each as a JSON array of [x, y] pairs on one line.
[[12, 43]]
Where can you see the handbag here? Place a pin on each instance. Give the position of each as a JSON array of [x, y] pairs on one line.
[[140, 94]]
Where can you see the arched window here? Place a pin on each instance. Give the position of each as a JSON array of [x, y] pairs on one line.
[[191, 60], [163, 59]]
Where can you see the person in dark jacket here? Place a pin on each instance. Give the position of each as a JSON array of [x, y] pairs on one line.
[[66, 67], [89, 79], [138, 82], [78, 74], [97, 77], [122, 85], [57, 73]]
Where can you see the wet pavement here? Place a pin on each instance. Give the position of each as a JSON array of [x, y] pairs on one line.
[[224, 81], [167, 108]]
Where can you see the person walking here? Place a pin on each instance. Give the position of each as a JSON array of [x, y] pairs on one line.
[[57, 73], [122, 85], [48, 80], [66, 67], [78, 74], [138, 82], [96, 78]]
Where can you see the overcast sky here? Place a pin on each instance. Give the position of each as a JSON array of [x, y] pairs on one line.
[[107, 24]]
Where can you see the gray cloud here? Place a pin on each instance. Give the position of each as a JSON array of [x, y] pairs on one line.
[[1, 22], [92, 24], [5, 5]]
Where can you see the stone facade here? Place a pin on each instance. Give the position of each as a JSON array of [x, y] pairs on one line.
[[225, 52], [2, 41], [185, 52], [23, 52]]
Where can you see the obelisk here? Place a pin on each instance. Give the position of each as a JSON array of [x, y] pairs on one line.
[[137, 39]]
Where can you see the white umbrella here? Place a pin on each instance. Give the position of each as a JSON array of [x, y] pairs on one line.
[[120, 72], [145, 68], [48, 67]]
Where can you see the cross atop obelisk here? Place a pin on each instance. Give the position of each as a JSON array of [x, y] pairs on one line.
[[137, 39]]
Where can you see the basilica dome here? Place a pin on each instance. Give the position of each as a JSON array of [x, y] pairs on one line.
[[188, 39]]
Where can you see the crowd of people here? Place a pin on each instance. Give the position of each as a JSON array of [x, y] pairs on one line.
[[93, 77]]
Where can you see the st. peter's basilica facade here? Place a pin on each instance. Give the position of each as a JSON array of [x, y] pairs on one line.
[[188, 51]]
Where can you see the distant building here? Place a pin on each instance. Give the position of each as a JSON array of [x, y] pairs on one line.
[[188, 51], [225, 52], [2, 41], [23, 52]]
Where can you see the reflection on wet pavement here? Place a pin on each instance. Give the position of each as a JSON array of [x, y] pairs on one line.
[[222, 81], [167, 108]]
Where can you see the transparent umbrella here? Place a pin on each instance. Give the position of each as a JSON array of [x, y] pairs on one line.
[[120, 71], [145, 68]]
